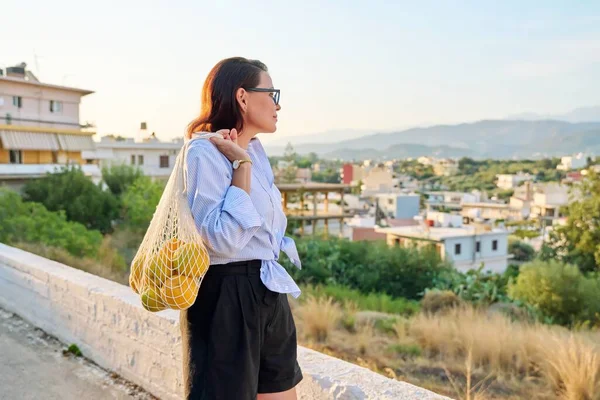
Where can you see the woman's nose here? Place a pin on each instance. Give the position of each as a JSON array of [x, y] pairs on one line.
[[278, 107]]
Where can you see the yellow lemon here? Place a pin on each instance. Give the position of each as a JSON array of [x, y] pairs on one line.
[[179, 292], [152, 302], [173, 244], [159, 268], [136, 273], [191, 260]]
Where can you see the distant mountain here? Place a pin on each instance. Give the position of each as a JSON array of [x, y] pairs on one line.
[[582, 114], [490, 138], [333, 136], [587, 142], [400, 151]]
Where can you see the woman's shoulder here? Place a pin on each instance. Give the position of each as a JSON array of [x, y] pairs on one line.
[[204, 150]]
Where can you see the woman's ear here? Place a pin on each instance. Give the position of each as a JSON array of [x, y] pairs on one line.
[[241, 97]]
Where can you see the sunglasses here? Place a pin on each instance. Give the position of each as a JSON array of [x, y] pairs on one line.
[[276, 93]]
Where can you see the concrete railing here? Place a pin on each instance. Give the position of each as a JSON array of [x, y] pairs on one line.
[[106, 321]]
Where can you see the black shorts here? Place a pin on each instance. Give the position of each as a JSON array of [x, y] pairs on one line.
[[239, 338]]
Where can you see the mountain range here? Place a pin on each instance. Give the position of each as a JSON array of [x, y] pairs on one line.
[[507, 138]]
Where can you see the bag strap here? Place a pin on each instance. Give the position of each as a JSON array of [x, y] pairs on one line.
[[184, 150]]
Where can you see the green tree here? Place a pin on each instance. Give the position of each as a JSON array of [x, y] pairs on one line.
[[119, 177], [558, 292], [578, 242], [313, 157], [400, 272], [139, 203], [290, 171], [304, 163], [71, 191], [289, 153], [521, 250], [327, 176]]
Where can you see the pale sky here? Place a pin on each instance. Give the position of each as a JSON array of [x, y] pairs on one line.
[[339, 64]]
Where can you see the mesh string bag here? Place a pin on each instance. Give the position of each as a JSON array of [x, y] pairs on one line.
[[170, 263]]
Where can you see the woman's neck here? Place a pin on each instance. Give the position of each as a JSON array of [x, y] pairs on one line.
[[245, 137]]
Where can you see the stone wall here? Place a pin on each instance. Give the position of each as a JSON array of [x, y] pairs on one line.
[[106, 321]]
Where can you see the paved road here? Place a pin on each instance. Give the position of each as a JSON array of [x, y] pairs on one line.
[[32, 366]]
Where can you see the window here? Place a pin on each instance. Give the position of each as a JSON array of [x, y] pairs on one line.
[[55, 106], [478, 246], [457, 249], [18, 101], [164, 161], [133, 159], [390, 201], [494, 245], [140, 159], [1, 101], [55, 157], [16, 156]]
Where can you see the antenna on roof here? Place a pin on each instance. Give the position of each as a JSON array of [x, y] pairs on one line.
[[37, 63]]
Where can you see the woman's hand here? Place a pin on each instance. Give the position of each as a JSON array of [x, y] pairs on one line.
[[228, 145]]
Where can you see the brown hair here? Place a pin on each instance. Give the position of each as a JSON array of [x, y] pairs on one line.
[[219, 108]]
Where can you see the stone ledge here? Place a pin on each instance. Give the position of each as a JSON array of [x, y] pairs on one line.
[[107, 322]]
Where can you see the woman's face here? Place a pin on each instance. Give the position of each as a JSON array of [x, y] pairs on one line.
[[261, 110]]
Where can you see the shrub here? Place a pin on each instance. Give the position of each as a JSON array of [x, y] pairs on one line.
[[559, 292], [119, 177], [82, 201], [139, 203], [32, 223], [435, 301], [476, 286], [521, 250], [368, 267]]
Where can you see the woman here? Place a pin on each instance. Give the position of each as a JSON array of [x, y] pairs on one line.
[[239, 338]]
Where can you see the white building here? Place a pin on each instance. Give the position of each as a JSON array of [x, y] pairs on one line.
[[444, 220], [379, 179], [517, 210], [548, 199], [40, 130], [511, 181], [451, 200], [568, 163], [155, 158], [467, 247], [399, 206]]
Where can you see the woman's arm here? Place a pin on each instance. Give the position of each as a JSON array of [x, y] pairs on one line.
[[219, 198]]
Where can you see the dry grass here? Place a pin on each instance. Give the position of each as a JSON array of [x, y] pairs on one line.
[[471, 391], [497, 343], [319, 317], [364, 336], [571, 364], [465, 353]]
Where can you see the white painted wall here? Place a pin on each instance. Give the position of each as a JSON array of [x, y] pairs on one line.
[[106, 321], [36, 104], [496, 261]]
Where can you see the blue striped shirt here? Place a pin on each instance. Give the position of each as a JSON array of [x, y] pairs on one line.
[[237, 226]]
